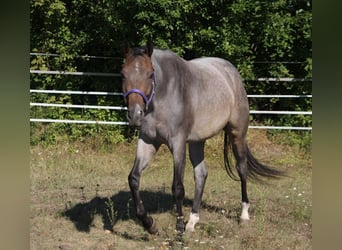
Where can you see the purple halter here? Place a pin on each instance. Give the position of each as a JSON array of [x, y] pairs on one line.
[[138, 91]]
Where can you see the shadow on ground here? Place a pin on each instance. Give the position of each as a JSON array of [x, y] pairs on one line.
[[121, 207]]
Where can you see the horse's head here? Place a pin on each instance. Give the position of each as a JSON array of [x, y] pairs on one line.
[[138, 82]]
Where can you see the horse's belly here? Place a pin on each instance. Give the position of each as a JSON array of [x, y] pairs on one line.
[[208, 126]]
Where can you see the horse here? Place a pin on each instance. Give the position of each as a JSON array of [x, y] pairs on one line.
[[176, 102]]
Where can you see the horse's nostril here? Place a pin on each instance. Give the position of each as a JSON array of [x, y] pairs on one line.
[[140, 112]]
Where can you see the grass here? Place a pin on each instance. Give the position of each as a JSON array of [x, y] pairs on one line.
[[80, 200]]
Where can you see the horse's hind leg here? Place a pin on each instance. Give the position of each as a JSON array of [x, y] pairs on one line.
[[239, 144], [196, 151]]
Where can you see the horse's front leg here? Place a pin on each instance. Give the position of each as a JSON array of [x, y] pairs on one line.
[[144, 154], [179, 152]]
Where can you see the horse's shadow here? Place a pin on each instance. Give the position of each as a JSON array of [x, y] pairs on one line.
[[121, 207]]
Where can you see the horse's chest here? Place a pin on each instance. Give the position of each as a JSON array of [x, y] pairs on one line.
[[161, 128], [155, 130]]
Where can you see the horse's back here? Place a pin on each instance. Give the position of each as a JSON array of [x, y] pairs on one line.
[[216, 67]]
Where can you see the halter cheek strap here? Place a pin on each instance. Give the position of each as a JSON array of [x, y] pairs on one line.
[[138, 91]]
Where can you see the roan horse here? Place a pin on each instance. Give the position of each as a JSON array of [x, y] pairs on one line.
[[175, 102]]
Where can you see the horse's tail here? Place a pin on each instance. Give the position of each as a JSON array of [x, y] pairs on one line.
[[255, 168]]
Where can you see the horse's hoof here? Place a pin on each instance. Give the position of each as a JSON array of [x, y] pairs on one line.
[[243, 221], [180, 225], [153, 228]]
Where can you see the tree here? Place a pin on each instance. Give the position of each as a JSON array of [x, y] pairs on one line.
[[262, 38]]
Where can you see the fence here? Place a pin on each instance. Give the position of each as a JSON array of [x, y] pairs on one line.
[[32, 104]]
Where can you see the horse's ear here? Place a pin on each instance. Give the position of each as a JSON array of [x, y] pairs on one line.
[[125, 49], [149, 48]]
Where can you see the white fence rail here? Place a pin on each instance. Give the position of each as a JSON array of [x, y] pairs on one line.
[[56, 72], [71, 92], [32, 104], [75, 73], [78, 121]]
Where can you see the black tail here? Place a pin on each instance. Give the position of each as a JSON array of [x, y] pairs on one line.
[[255, 168]]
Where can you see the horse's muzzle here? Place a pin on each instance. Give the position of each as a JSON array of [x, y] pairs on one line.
[[135, 115]]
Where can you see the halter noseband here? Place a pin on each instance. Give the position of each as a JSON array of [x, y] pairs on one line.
[[138, 91]]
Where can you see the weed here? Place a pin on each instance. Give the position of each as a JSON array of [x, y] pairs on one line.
[[110, 212], [129, 202], [301, 207]]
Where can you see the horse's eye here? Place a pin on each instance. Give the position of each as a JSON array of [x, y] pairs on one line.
[[122, 76]]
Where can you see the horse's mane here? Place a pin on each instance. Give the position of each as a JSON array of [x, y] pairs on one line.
[[140, 51]]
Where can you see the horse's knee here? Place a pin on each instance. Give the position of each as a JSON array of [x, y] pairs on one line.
[[133, 181], [178, 192]]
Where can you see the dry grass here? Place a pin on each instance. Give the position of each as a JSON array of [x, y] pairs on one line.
[[78, 191]]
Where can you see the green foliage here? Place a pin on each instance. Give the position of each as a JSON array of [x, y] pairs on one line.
[[262, 38]]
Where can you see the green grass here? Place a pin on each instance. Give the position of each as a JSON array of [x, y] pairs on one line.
[[77, 192]]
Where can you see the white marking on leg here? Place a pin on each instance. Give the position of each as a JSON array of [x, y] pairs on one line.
[[244, 213], [190, 226]]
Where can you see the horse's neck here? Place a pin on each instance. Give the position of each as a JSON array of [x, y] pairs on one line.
[[167, 63]]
